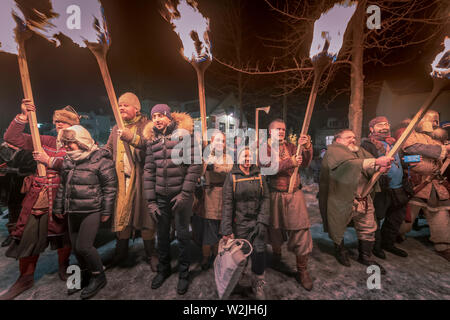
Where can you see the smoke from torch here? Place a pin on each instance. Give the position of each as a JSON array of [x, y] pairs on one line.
[[330, 28], [192, 28], [92, 26], [12, 18], [441, 64]]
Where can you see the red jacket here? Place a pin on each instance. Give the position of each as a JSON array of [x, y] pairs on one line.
[[14, 135]]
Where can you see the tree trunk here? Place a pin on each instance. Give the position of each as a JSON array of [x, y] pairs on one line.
[[285, 104], [240, 94], [355, 114]]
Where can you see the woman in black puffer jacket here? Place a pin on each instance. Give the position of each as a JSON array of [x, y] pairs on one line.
[[87, 195]]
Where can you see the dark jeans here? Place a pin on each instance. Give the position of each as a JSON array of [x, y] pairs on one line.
[[182, 220], [83, 229], [390, 205]]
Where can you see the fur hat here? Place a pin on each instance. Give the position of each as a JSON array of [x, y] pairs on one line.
[[130, 99], [79, 135], [67, 115]]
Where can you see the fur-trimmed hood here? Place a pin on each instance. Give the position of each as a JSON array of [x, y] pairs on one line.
[[181, 120]]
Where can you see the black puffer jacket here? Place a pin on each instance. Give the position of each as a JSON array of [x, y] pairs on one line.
[[161, 175], [87, 186], [248, 205]]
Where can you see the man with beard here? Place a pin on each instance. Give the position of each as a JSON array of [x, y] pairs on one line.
[[430, 194], [289, 215], [131, 208], [37, 227], [346, 170], [390, 203], [169, 186]]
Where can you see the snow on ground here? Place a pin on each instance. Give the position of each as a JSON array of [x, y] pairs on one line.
[[423, 275]]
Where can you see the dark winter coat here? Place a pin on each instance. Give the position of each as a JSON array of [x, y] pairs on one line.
[[87, 186], [162, 177], [248, 205]]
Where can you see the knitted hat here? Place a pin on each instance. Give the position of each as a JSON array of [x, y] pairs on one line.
[[163, 109], [130, 99], [376, 120], [79, 135], [67, 115]]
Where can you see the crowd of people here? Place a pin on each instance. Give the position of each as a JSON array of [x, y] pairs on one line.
[[134, 183]]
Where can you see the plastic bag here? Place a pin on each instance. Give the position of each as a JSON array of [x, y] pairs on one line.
[[229, 265]]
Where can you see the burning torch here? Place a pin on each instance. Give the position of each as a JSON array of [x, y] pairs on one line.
[[12, 40], [441, 79], [92, 34], [192, 28], [328, 37]]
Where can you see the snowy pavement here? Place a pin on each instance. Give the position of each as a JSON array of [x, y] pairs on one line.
[[423, 275]]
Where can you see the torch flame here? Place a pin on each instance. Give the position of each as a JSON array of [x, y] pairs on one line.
[[330, 28], [441, 65], [192, 28], [91, 29], [12, 18]]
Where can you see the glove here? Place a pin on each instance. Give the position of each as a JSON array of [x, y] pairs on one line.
[[178, 202], [261, 230], [154, 211]]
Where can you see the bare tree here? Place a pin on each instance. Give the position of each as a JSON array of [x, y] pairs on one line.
[[405, 23]]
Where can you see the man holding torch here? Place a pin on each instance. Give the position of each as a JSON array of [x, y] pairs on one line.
[[37, 227], [131, 207], [288, 214], [390, 203], [430, 193], [346, 169]]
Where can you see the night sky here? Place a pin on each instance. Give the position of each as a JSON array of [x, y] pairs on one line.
[[144, 58]]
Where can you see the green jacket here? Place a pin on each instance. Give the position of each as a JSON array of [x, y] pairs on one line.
[[340, 176]]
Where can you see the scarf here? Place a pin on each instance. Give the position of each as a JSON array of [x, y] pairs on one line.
[[377, 138], [129, 123], [80, 155]]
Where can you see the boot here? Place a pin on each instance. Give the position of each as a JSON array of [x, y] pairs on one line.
[[7, 242], [85, 279], [120, 254], [159, 279], [96, 283], [151, 255], [342, 254], [394, 250], [377, 250], [63, 262], [445, 254], [365, 250], [302, 276], [27, 267], [258, 287], [183, 286]]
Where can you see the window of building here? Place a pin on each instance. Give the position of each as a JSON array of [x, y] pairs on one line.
[[222, 126], [329, 140]]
